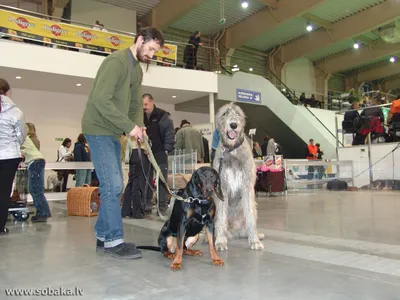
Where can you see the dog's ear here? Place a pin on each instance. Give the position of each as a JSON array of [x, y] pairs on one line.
[[218, 190], [195, 180]]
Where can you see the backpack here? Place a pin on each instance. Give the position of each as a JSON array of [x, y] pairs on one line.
[[373, 125]]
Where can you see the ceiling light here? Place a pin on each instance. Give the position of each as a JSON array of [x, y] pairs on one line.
[[245, 4], [356, 45], [78, 84], [174, 97], [309, 27], [251, 69], [18, 77], [392, 59]]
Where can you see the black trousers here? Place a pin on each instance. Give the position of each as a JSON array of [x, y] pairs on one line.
[[134, 202], [8, 168], [162, 160]]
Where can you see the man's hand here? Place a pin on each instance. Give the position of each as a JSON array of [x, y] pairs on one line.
[[137, 133]]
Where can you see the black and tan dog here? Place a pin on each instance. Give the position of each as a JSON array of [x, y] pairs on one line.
[[188, 219]]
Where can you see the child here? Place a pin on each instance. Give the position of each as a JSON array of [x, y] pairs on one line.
[[35, 165]]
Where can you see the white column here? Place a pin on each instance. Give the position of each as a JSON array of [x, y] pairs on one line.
[[212, 109]]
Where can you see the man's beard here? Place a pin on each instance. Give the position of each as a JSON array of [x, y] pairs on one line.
[[141, 57]]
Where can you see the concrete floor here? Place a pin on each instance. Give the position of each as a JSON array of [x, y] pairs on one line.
[[338, 245]]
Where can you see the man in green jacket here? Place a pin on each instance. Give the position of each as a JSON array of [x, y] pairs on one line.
[[115, 106]]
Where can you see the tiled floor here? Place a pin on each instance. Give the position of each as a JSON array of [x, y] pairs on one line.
[[318, 246]]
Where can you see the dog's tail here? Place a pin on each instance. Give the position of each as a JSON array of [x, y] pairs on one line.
[[152, 248]]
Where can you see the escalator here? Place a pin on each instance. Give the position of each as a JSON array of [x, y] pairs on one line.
[[290, 125]]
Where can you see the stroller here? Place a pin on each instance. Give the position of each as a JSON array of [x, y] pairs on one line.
[[18, 203]]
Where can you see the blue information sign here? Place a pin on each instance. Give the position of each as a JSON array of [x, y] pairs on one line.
[[248, 96]]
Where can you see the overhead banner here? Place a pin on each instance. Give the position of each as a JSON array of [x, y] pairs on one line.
[[47, 31]]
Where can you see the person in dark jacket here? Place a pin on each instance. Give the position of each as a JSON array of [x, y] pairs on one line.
[[161, 133], [82, 153], [190, 53], [206, 150], [374, 111]]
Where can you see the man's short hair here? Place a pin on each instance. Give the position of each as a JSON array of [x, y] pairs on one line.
[[149, 34], [311, 140], [147, 95]]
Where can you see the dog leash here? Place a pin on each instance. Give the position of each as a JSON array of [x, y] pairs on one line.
[[160, 177]]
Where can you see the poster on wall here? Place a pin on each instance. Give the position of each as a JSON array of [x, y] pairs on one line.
[[206, 130]]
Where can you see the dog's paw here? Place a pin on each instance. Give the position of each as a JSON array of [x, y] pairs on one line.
[[256, 245], [169, 255], [221, 244], [218, 262], [193, 252], [261, 236], [176, 266]]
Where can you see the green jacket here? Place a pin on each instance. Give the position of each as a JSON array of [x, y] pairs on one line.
[[190, 139], [113, 106]]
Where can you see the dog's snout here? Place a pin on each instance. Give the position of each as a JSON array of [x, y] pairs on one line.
[[234, 126]]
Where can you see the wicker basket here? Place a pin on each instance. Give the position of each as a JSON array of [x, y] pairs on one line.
[[83, 201]]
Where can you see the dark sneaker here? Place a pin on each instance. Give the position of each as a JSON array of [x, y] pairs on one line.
[[100, 245], [123, 251], [36, 219], [5, 231]]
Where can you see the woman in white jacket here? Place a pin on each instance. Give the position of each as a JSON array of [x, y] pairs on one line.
[[12, 135]]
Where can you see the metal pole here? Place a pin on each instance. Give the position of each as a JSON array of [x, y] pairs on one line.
[[212, 108], [337, 137], [371, 173]]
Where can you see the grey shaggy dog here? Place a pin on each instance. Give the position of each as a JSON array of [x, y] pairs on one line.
[[235, 165]]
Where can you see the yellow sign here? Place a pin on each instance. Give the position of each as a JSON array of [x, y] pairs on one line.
[[47, 31]]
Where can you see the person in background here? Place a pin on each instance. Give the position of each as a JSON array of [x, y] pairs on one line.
[[312, 154], [160, 129], [206, 150], [32, 135], [81, 154], [374, 111], [35, 162], [12, 135], [190, 52], [189, 139], [215, 143], [256, 150], [114, 106], [64, 155], [134, 201]]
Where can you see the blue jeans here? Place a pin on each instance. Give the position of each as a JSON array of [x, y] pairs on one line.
[[83, 177], [36, 187], [106, 153]]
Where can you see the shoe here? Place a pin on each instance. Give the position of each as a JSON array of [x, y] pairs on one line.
[[5, 231], [100, 245], [123, 251], [36, 219]]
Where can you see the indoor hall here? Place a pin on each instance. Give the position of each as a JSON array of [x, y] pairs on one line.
[[296, 69]]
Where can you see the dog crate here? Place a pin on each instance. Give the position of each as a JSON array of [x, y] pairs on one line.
[[181, 166], [83, 201]]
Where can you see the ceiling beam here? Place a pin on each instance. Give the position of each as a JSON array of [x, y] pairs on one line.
[[317, 20], [348, 28], [381, 71], [167, 12], [353, 58], [266, 19]]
